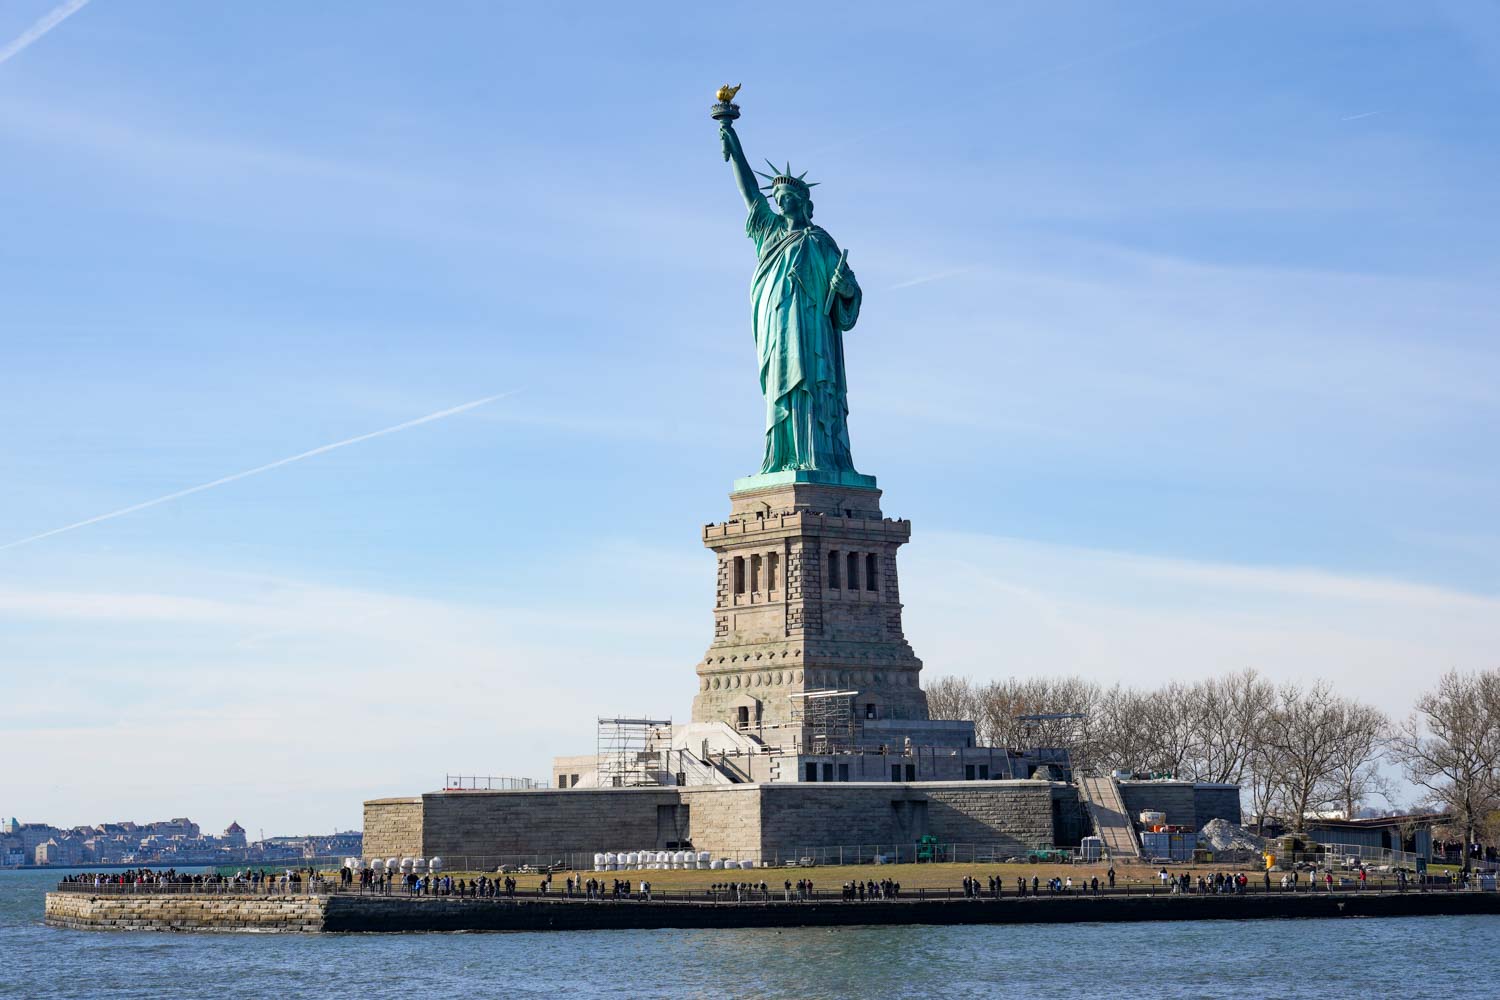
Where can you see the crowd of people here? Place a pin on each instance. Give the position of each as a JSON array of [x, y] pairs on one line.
[[142, 877], [288, 881], [871, 889], [504, 886]]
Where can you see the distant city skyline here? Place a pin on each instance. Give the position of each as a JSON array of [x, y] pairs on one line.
[[177, 841], [1177, 344]]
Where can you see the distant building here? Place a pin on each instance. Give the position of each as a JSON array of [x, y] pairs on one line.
[[234, 836], [68, 851]]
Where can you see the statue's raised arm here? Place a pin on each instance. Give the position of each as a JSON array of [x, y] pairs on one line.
[[743, 175]]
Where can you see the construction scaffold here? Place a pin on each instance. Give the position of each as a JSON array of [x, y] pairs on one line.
[[827, 717], [630, 752]]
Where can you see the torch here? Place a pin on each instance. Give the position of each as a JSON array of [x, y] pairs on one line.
[[725, 111]]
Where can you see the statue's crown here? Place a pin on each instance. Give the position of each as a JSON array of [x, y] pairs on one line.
[[779, 177]]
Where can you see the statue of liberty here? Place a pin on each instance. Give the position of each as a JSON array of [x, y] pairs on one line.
[[802, 298]]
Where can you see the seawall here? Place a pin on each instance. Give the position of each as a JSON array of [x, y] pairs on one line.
[[178, 912], [354, 913]]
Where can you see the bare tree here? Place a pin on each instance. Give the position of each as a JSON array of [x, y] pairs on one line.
[[1267, 794], [1120, 740], [1228, 719], [952, 698], [1360, 739], [1298, 749], [1002, 704], [1312, 736], [1451, 746]]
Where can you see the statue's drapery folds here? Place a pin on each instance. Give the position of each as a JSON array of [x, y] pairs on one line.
[[800, 344]]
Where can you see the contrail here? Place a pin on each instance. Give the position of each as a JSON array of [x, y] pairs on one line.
[[50, 20], [439, 415], [924, 279], [1367, 114]]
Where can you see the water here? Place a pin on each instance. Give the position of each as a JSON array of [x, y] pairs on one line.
[[1451, 958]]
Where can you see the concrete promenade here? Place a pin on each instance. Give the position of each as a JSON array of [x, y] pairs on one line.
[[353, 912]]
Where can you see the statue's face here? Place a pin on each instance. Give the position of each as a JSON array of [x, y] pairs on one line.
[[793, 205]]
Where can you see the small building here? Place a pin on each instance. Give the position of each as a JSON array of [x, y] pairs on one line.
[[1409, 834]]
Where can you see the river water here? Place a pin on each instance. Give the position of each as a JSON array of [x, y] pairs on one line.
[[1446, 958]]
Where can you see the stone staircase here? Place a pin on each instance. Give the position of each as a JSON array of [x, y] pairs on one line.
[[1106, 806]]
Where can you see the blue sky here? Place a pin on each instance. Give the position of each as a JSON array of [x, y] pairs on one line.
[[1179, 349]]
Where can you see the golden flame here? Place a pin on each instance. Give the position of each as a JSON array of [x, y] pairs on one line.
[[726, 93]]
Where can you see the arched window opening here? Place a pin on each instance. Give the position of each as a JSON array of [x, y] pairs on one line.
[[872, 571], [755, 574], [853, 575], [771, 567], [833, 570], [739, 574]]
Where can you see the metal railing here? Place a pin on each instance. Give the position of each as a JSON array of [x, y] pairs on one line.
[[777, 891], [490, 783]]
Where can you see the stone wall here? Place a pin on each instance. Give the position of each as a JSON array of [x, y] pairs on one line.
[[491, 824], [393, 828], [1184, 802], [749, 820], [1217, 802], [1015, 815], [129, 912], [1012, 815], [798, 816], [1175, 798], [725, 819]]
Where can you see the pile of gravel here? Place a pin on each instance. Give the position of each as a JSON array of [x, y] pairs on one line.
[[1220, 836]]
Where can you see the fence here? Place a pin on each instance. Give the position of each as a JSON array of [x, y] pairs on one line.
[[776, 890], [808, 856], [490, 783], [276, 866]]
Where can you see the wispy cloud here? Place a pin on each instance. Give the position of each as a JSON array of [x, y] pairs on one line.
[[1366, 114], [224, 480], [50, 20], [1143, 619], [924, 279]]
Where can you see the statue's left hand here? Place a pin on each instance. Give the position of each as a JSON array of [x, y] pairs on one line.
[[730, 140], [842, 283]]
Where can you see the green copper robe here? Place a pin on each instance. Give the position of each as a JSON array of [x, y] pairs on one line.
[[801, 346]]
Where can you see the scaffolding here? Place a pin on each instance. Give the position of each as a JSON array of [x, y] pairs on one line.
[[826, 718], [631, 753]]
